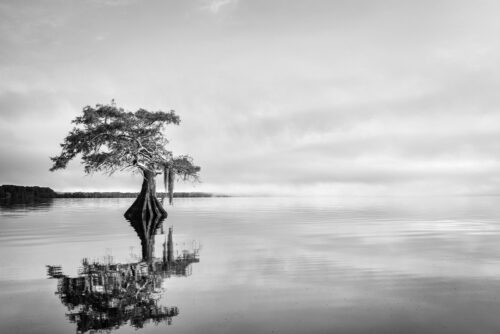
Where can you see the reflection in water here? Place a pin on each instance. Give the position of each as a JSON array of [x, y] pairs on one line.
[[9, 205], [105, 295], [146, 229], [289, 265]]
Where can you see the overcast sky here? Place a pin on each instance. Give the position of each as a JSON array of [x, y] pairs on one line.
[[275, 96]]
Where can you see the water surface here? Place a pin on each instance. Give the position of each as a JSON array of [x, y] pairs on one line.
[[272, 265]]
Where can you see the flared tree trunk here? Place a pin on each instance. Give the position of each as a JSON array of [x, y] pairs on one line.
[[147, 205]]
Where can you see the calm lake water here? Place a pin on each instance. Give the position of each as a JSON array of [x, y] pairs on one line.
[[268, 265]]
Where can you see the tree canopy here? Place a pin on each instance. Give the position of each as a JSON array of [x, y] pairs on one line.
[[109, 139]]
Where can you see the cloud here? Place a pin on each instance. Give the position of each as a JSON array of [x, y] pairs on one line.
[[114, 3], [215, 6], [325, 96]]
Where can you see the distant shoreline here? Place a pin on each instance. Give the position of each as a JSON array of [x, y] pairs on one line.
[[30, 193], [113, 194]]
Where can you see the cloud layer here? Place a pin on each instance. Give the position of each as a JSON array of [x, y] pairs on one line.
[[325, 97]]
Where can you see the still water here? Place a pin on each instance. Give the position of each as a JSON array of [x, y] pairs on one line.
[[264, 265]]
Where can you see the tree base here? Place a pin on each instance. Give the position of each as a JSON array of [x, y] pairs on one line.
[[147, 206]]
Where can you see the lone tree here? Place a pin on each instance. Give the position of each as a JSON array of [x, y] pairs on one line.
[[111, 139]]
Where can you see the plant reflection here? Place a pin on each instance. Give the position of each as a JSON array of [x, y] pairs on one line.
[[105, 295], [9, 205]]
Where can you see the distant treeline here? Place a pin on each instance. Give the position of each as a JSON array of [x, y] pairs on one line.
[[26, 194], [80, 194], [128, 195]]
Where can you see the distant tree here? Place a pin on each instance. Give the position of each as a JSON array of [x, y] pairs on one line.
[[110, 139]]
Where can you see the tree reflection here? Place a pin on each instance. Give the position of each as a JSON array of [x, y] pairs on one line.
[[105, 295], [9, 205], [146, 229]]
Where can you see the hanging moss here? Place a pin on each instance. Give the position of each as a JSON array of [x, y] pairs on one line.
[[168, 181], [171, 180], [166, 171]]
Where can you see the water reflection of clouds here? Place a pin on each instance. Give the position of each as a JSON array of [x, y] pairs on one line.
[[316, 266]]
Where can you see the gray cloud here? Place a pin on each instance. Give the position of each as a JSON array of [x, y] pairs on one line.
[[215, 6], [114, 2], [275, 96]]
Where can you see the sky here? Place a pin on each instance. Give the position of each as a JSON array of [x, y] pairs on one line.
[[319, 97]]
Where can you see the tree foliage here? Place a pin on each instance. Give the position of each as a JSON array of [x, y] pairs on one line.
[[109, 139]]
